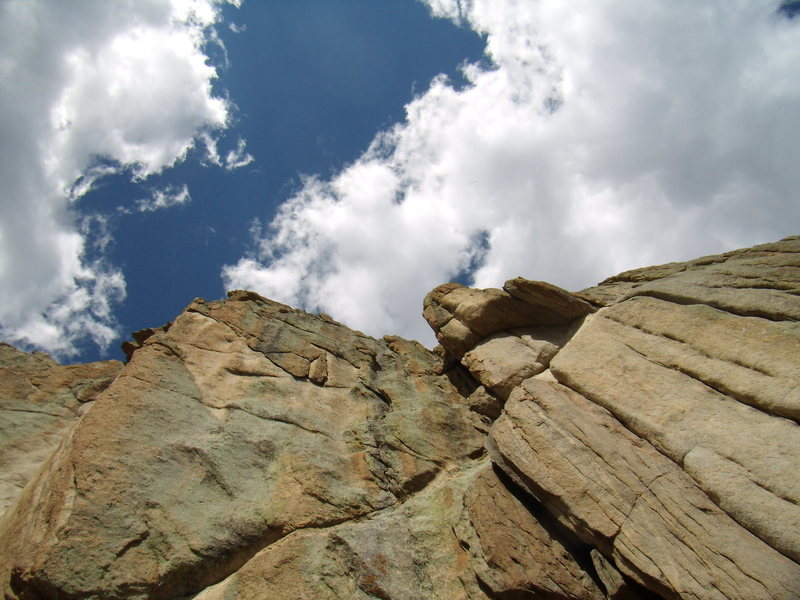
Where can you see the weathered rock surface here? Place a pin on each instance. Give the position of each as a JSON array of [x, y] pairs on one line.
[[630, 502], [463, 536], [665, 432], [642, 442], [761, 281], [40, 401], [461, 316], [701, 408], [223, 435]]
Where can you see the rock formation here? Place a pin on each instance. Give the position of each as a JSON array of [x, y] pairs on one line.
[[40, 401], [638, 439]]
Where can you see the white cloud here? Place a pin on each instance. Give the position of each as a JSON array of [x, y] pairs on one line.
[[212, 152], [234, 159], [86, 89], [605, 135], [238, 157], [164, 198]]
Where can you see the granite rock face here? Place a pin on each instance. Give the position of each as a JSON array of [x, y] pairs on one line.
[[638, 439], [40, 401], [664, 433]]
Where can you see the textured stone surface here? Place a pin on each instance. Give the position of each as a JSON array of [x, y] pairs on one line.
[[516, 549], [215, 442], [404, 552], [461, 316], [40, 401], [670, 392], [502, 361], [642, 442], [760, 281], [464, 536], [636, 506], [695, 369]]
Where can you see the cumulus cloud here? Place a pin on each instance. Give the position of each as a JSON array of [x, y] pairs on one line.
[[594, 137], [87, 89]]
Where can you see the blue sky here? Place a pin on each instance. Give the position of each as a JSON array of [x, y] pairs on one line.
[[312, 83], [347, 156]]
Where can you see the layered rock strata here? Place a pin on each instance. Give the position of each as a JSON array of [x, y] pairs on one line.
[[662, 430], [638, 439]]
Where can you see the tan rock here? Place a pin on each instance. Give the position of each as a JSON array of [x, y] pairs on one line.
[[463, 536], [40, 401], [484, 403], [754, 360], [251, 450], [636, 506], [318, 370], [553, 305], [503, 360], [617, 586], [131, 346], [403, 552], [514, 548], [462, 316], [212, 444], [761, 281], [669, 388]]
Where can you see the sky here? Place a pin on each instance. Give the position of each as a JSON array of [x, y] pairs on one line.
[[347, 156]]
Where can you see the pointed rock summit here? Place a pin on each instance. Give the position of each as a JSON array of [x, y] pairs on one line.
[[638, 439]]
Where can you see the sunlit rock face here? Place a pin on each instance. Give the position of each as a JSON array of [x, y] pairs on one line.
[[40, 401], [638, 439]]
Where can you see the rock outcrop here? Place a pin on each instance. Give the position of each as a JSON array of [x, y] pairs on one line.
[[638, 439], [40, 401]]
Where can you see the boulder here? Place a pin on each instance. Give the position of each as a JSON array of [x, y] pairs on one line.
[[461, 316], [683, 391], [464, 536]]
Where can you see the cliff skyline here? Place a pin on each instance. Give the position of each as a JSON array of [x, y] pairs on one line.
[[347, 157]]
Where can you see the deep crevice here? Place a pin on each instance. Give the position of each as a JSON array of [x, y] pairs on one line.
[[579, 550], [384, 397]]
